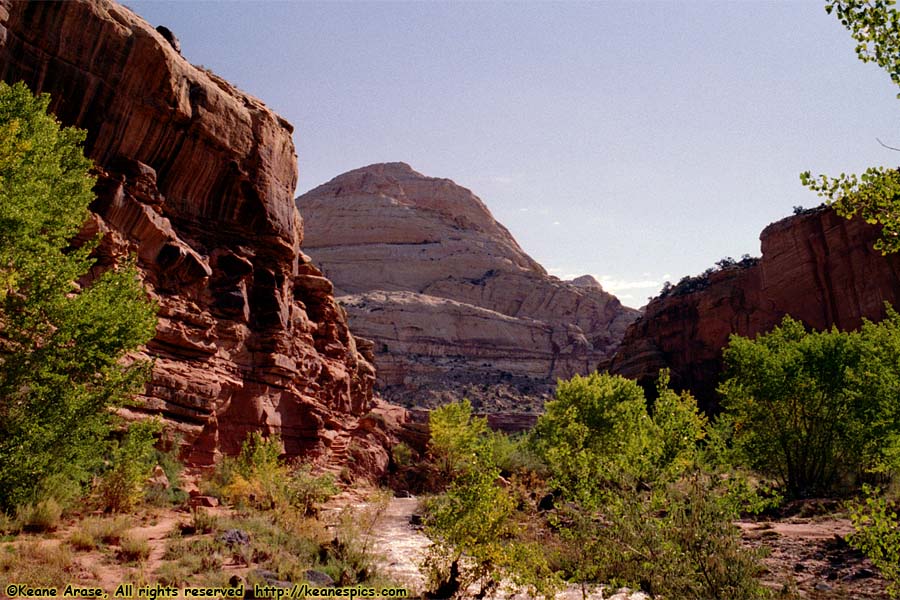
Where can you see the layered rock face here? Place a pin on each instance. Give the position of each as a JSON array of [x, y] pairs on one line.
[[196, 179], [816, 266], [453, 305]]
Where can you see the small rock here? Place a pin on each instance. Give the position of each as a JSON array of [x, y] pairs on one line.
[[318, 578], [863, 573], [822, 587], [235, 537], [158, 479], [799, 567], [170, 37], [207, 501]]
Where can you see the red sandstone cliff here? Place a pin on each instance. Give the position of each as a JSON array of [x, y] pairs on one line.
[[816, 266], [197, 180], [455, 307]]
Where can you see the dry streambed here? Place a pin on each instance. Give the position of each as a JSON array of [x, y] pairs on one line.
[[808, 553]]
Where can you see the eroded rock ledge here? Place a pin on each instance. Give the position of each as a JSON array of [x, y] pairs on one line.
[[197, 180]]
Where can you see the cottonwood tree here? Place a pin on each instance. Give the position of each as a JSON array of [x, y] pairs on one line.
[[61, 344]]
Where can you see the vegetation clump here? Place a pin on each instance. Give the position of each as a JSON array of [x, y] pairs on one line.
[[624, 495], [63, 333]]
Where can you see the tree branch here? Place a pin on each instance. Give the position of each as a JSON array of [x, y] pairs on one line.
[[886, 146]]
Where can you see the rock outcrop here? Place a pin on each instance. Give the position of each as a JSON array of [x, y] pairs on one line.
[[453, 305], [196, 179], [815, 266]]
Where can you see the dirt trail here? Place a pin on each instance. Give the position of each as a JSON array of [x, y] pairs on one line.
[[401, 545]]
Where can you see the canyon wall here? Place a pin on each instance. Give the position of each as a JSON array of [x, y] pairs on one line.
[[196, 179], [453, 305], [815, 266]]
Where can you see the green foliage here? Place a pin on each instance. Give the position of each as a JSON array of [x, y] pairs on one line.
[[458, 441], [679, 543], [633, 507], [813, 409], [122, 487], [874, 195], [258, 478], [596, 434], [680, 427], [473, 523], [61, 341], [306, 491], [877, 535]]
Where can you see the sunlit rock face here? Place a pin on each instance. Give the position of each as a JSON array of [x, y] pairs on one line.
[[453, 305], [196, 180], [815, 266]]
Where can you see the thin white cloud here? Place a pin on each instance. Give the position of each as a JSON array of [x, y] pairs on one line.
[[615, 285], [556, 222]]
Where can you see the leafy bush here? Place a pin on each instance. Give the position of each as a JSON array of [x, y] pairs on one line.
[[678, 543], [259, 479], [306, 491], [596, 433], [61, 342], [122, 488], [474, 522], [106, 530], [814, 409], [877, 535], [458, 441]]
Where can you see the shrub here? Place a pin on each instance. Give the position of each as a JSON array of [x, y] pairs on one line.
[[133, 548], [258, 478], [122, 488], [877, 535], [204, 521], [680, 543], [813, 409], [596, 433], [106, 530], [40, 517], [38, 563], [402, 455], [82, 541], [458, 440], [473, 523], [305, 491]]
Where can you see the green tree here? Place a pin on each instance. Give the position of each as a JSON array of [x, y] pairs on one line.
[[474, 524], [62, 338], [596, 433], [874, 195], [813, 409]]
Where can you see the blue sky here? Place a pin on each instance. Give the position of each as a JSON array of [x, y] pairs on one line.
[[635, 141]]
